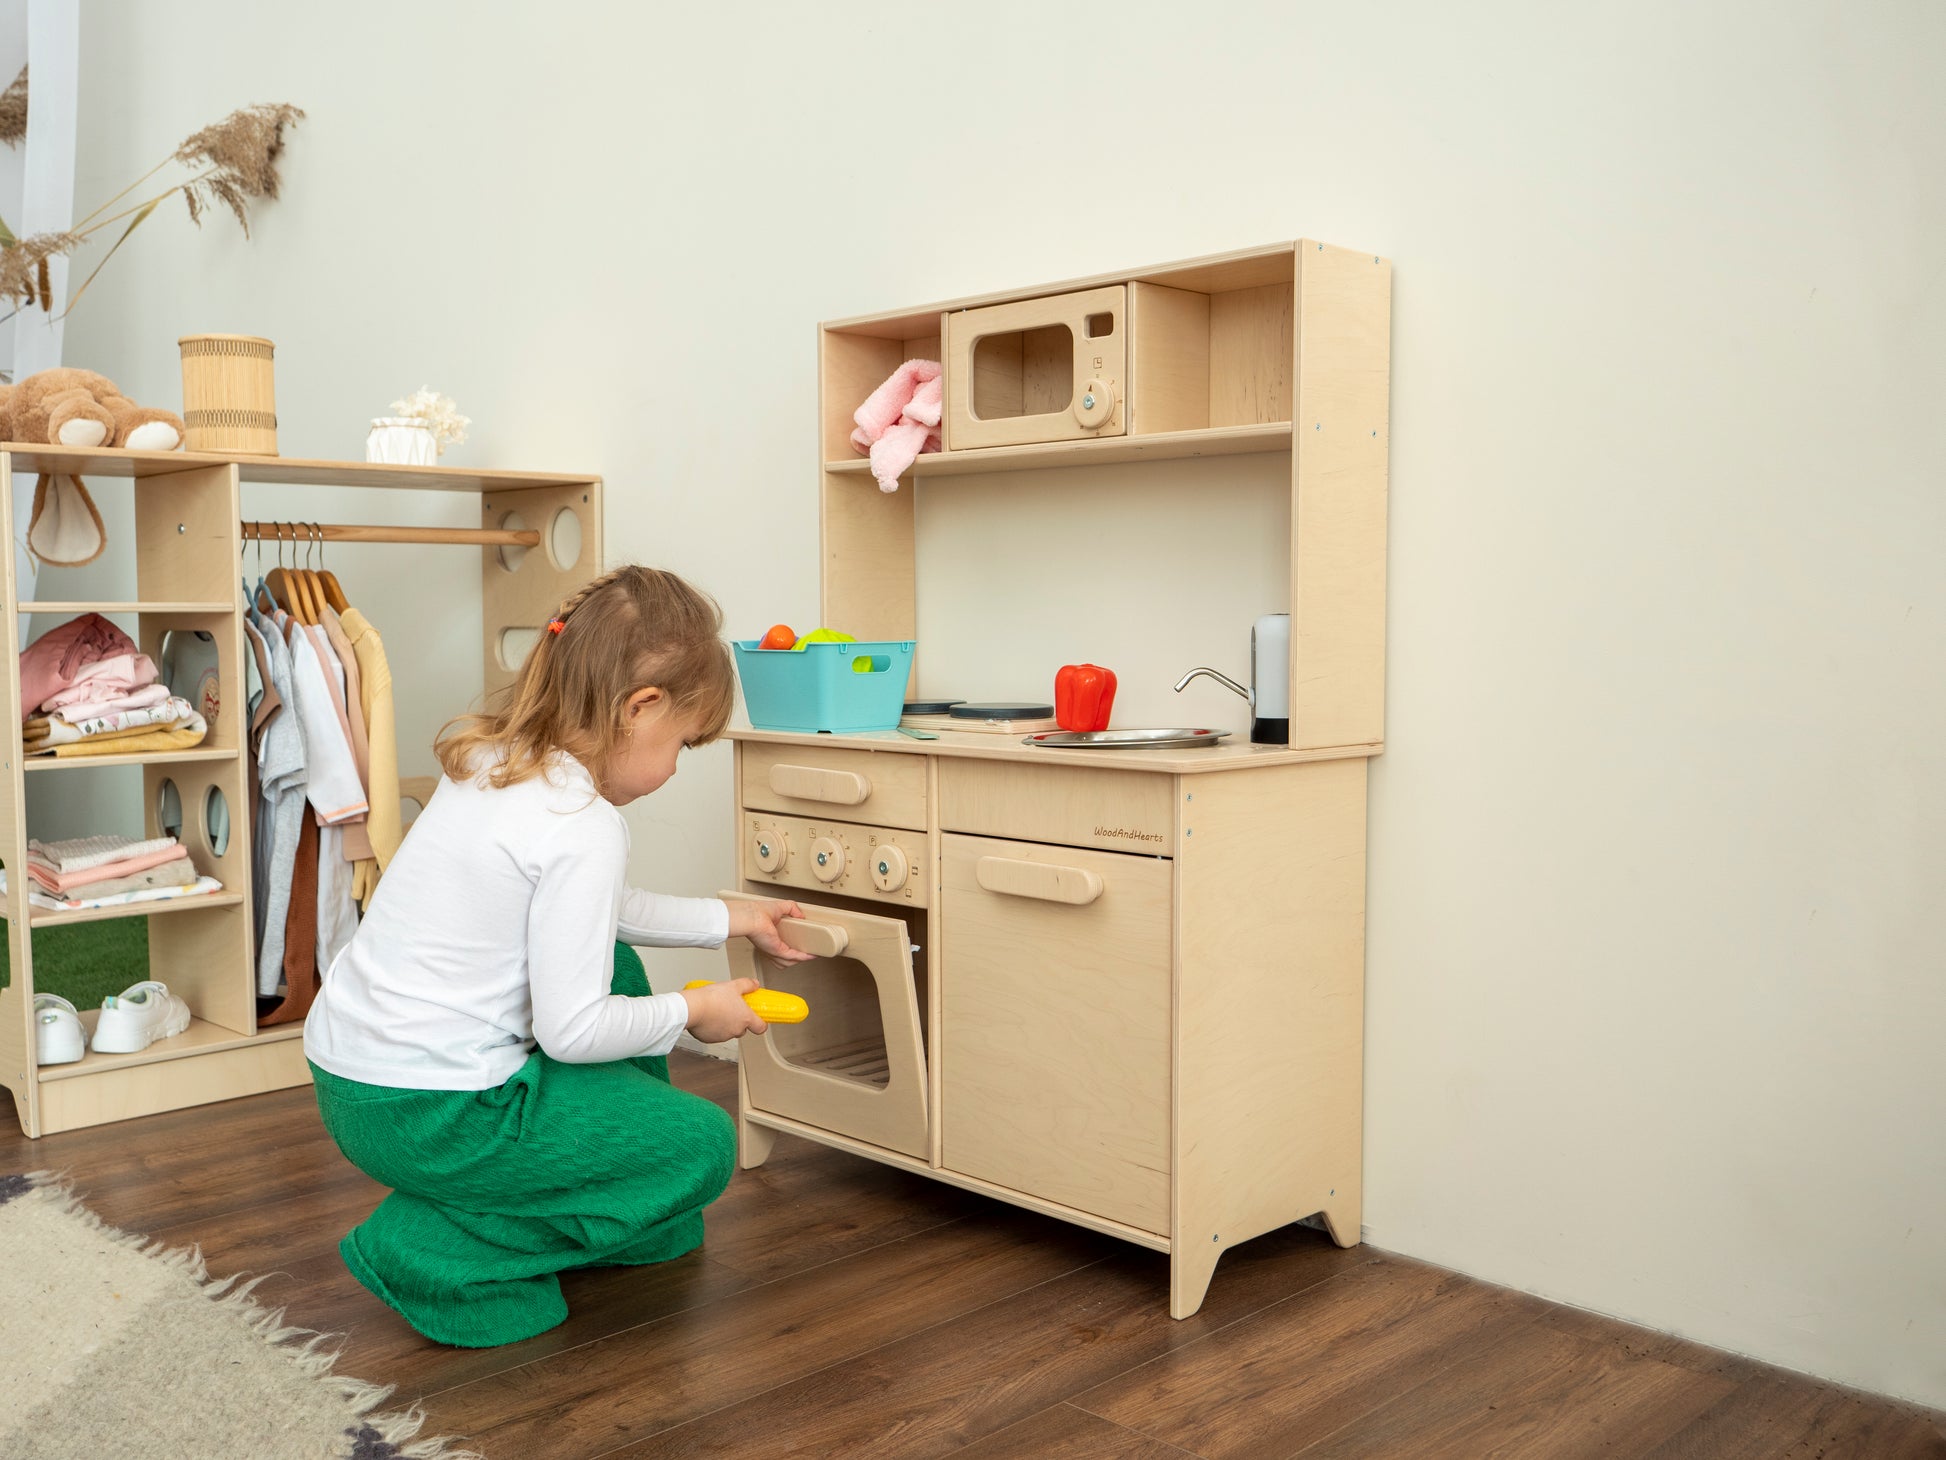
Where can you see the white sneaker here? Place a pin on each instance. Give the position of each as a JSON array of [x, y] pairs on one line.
[[59, 1038], [137, 1017]]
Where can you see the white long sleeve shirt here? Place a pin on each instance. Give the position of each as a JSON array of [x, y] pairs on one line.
[[492, 932]]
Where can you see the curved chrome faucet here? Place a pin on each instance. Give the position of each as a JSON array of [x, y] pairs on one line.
[[1222, 679]]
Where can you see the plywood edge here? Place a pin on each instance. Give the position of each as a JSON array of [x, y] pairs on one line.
[[122, 1093], [1339, 457], [17, 1066], [1178, 275], [1271, 879], [274, 470]]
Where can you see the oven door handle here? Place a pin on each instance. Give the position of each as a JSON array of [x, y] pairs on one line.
[[824, 940]]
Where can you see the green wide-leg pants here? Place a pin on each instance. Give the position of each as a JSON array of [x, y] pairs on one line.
[[494, 1192]]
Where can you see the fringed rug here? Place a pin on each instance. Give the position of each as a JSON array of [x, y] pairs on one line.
[[113, 1346]]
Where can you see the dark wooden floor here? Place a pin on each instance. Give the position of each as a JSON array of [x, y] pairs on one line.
[[842, 1308]]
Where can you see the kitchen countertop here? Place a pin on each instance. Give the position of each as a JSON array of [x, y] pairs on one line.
[[1234, 754]]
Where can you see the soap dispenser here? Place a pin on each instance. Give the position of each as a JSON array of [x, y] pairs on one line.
[[1269, 694]]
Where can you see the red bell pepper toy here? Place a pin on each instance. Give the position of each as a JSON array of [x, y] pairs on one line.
[[1084, 696]]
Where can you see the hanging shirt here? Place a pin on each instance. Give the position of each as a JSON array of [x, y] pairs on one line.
[[357, 839], [384, 826], [332, 783], [279, 742], [337, 908]]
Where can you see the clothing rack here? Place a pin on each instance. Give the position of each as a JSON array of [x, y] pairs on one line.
[[303, 532], [188, 542]]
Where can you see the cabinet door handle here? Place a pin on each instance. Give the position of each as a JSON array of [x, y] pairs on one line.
[[813, 783], [825, 940], [1011, 877]]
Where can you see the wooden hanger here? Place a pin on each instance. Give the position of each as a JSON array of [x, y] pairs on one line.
[[288, 589], [328, 580], [308, 576]]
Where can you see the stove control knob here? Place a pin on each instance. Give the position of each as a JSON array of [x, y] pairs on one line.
[[827, 859], [889, 867], [773, 852]]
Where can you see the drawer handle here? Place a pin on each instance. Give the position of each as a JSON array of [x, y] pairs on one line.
[[812, 783], [822, 940], [1012, 877]]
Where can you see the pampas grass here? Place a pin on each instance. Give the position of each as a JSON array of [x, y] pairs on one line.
[[234, 162]]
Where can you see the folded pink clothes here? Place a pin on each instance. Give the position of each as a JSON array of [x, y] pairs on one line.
[[900, 420], [67, 881], [108, 680], [77, 854], [55, 660], [172, 713], [176, 872], [146, 698]]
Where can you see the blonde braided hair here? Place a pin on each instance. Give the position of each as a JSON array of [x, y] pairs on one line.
[[625, 631]]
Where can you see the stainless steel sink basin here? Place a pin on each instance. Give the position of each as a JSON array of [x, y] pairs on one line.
[[1124, 739]]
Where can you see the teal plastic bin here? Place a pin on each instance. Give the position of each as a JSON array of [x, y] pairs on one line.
[[836, 689]]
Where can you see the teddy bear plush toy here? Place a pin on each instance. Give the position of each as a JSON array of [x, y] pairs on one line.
[[76, 408], [81, 408]]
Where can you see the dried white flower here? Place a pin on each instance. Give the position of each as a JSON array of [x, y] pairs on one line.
[[437, 413]]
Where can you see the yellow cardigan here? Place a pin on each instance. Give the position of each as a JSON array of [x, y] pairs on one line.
[[385, 823]]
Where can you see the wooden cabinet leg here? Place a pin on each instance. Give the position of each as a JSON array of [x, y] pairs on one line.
[[753, 1142], [1342, 1221], [1190, 1269]]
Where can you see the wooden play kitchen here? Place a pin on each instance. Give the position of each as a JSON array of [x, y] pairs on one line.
[[539, 540], [1120, 987]]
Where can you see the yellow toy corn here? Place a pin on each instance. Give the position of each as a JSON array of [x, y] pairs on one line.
[[773, 1006]]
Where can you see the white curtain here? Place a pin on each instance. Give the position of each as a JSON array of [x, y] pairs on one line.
[[37, 194]]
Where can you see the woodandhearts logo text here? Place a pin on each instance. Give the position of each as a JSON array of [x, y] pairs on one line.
[[1126, 834]]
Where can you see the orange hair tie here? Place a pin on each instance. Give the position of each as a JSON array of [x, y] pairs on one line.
[[555, 625]]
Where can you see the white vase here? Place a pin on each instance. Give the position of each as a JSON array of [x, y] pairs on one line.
[[399, 441]]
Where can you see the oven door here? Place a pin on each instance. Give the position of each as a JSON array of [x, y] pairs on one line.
[[856, 1066]]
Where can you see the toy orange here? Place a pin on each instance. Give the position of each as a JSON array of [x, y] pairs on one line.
[[779, 636]]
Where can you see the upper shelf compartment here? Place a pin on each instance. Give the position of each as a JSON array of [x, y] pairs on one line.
[[1195, 359], [151, 465], [1210, 358], [1098, 451]]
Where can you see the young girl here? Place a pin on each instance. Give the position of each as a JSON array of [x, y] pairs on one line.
[[484, 1046]]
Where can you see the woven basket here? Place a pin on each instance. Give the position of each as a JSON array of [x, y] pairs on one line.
[[229, 396]]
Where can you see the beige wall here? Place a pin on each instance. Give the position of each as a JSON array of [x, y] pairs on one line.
[[1656, 958]]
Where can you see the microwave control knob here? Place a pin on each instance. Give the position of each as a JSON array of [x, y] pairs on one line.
[[889, 868], [1095, 404], [772, 850], [827, 859]]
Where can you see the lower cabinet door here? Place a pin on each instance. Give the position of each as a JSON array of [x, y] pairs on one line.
[[1054, 1024], [856, 1066]]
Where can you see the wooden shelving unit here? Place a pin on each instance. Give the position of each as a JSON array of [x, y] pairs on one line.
[[1099, 451], [47, 917], [190, 756], [1121, 988], [189, 536], [69, 610]]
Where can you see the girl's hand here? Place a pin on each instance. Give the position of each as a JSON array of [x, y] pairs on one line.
[[757, 920], [718, 1012]]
